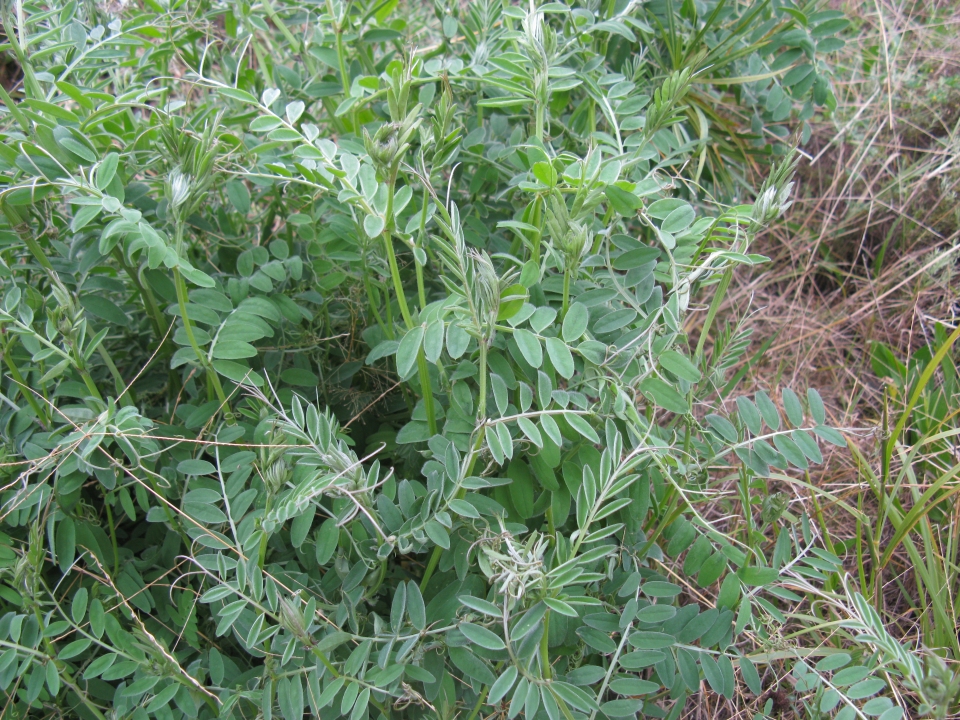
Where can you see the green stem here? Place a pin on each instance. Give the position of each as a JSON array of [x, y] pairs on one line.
[[475, 453], [113, 540], [34, 247], [15, 111], [262, 552], [422, 370], [539, 120], [388, 331], [480, 701], [123, 393], [747, 509], [566, 293], [212, 377], [421, 291], [545, 668], [146, 294], [607, 218], [87, 380], [425, 387], [538, 222], [22, 384], [718, 297], [482, 402], [344, 78]]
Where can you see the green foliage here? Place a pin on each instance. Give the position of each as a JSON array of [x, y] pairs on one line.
[[352, 379]]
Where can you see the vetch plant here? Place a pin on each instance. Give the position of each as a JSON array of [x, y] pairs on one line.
[[360, 376]]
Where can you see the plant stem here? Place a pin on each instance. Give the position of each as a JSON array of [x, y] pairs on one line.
[[566, 293], [387, 330], [123, 393], [87, 380], [474, 454], [22, 384], [113, 539], [422, 370], [537, 221], [480, 701], [421, 292], [212, 377], [539, 120], [718, 297], [146, 294], [545, 668]]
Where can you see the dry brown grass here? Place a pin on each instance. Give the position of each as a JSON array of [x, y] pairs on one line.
[[867, 254], [879, 178]]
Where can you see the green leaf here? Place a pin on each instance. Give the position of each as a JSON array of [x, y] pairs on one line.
[[636, 258], [437, 533], [646, 640], [678, 220], [104, 308], [107, 170], [597, 640], [625, 203], [621, 708], [239, 196], [415, 607], [724, 427], [808, 446], [664, 395], [464, 509], [680, 365], [195, 467], [614, 321], [482, 606], [78, 148], [470, 665], [659, 589], [758, 576], [750, 415], [711, 671], [634, 686], [656, 613], [481, 636], [560, 356], [545, 173], [407, 352], [503, 685], [433, 341], [865, 688], [771, 416], [327, 538], [578, 423], [790, 451], [373, 225], [748, 672], [791, 404], [817, 411], [511, 301], [332, 641], [834, 661], [521, 488], [575, 322], [529, 347], [830, 435], [711, 570]]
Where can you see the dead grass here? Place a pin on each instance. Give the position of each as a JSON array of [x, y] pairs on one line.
[[867, 254]]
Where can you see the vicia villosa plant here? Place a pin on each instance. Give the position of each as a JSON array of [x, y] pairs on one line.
[[361, 362]]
